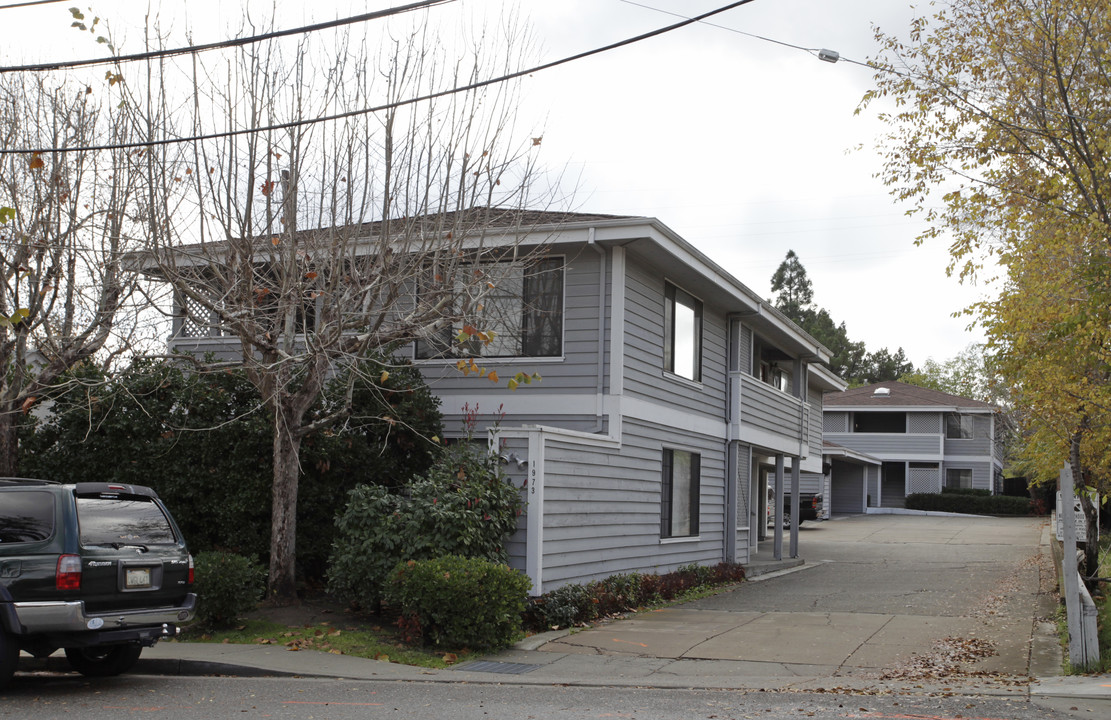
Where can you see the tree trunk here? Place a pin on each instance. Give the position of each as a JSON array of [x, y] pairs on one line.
[[282, 586], [9, 446]]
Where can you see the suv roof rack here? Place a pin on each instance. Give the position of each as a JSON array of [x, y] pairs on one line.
[[26, 481]]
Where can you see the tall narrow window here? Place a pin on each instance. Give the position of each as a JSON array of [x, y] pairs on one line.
[[679, 505], [682, 333]]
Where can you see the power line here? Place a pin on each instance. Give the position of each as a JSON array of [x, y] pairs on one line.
[[238, 42], [388, 106], [29, 3], [816, 52]]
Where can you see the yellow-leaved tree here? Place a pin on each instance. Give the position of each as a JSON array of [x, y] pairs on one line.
[[999, 136]]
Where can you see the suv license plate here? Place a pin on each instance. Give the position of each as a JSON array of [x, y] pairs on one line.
[[137, 578]]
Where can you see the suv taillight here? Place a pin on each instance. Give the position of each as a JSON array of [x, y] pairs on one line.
[[68, 575], [190, 569]]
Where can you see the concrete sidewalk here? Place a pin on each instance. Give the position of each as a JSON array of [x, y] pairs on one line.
[[874, 610]]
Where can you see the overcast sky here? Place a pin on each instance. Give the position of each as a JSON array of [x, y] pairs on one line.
[[744, 146]]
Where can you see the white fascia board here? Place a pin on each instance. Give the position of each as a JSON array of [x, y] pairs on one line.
[[849, 454], [909, 408], [824, 378]]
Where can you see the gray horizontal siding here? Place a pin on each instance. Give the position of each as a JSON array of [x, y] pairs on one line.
[[766, 408], [976, 447], [982, 472], [814, 427], [644, 351], [809, 483], [602, 506], [890, 445]]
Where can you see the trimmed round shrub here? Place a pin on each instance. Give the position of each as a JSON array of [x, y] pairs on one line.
[[459, 602], [227, 585]]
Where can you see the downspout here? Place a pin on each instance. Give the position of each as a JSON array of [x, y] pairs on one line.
[[599, 404]]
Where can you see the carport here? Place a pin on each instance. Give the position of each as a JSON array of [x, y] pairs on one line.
[[854, 479]]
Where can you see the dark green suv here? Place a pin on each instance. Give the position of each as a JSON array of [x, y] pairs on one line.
[[97, 569]]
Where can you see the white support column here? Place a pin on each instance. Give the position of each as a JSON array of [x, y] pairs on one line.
[[777, 552], [796, 483]]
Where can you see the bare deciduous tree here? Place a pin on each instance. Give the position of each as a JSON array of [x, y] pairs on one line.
[[309, 246], [66, 221]]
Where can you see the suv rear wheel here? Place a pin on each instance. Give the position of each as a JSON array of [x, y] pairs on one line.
[[103, 660]]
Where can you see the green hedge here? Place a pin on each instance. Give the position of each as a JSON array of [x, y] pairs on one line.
[[977, 492], [969, 503], [458, 602], [204, 442]]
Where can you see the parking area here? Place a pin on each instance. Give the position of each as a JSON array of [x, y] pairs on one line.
[[878, 596]]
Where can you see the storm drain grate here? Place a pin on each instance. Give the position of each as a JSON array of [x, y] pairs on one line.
[[498, 667]]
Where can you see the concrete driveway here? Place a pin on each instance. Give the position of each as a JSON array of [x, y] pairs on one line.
[[880, 598]]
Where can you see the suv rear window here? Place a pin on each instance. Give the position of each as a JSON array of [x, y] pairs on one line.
[[26, 516], [122, 520]]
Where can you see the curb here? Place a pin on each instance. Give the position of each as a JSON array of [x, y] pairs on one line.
[[165, 666]]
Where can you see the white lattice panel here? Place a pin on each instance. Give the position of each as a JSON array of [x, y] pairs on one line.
[[924, 480], [924, 423], [835, 422], [197, 321]]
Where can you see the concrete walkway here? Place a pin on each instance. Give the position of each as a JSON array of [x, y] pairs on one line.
[[883, 603]]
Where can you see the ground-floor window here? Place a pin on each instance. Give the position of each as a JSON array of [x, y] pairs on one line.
[[958, 478], [679, 500]]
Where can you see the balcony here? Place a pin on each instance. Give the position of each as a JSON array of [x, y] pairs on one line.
[[767, 417]]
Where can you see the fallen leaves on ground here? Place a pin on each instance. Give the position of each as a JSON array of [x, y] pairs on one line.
[[944, 661]]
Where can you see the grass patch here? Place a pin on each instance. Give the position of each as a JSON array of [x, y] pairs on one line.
[[374, 642]]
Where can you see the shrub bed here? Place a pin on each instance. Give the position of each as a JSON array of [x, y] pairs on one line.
[[972, 504], [574, 604]]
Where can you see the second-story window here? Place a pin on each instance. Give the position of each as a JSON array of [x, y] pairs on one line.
[[958, 427], [682, 333], [518, 309]]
